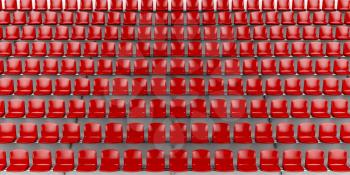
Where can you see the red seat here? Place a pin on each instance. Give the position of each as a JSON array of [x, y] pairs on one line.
[[8, 132], [309, 33], [242, 133], [323, 66], [36, 108], [98, 18], [56, 49], [273, 86], [319, 108], [330, 86], [246, 160], [21, 49], [178, 160], [91, 49], [264, 49], [71, 5], [43, 86], [6, 86], [97, 108], [87, 160], [177, 86], [258, 108], [292, 160], [278, 109], [337, 159], [40, 5], [16, 108], [120, 86], [192, 5], [224, 5], [298, 49], [253, 86], [71, 133], [28, 33], [314, 160], [287, 18], [199, 133], [101, 86], [263, 133], [269, 160], [24, 86], [339, 108], [157, 108], [299, 108], [50, 66], [45, 33], [306, 133], [238, 108], [139, 86], [198, 108], [49, 133], [39, 49], [228, 49], [42, 160], [101, 5], [116, 5], [332, 49], [86, 5], [223, 160], [155, 160], [19, 160], [328, 133], [92, 133], [50, 18], [285, 133], [117, 108], [137, 108], [156, 133], [177, 66], [243, 32], [56, 109], [160, 49], [111, 33], [304, 17], [128, 33], [76, 108], [201, 160], [158, 86], [292, 86], [220, 133], [218, 108], [312, 86], [113, 133], [208, 18], [250, 67], [5, 49], [135, 133], [109, 160], [104, 67], [12, 32], [82, 86], [194, 49], [240, 18], [193, 32], [64, 160], [281, 49], [14, 66], [216, 86], [293, 33], [178, 108], [132, 160], [178, 134], [224, 17], [68, 67]]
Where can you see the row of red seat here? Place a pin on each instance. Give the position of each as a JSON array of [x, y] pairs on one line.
[[176, 86], [210, 32], [156, 133], [176, 66], [217, 108], [176, 18], [188, 5], [178, 160], [160, 49]]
